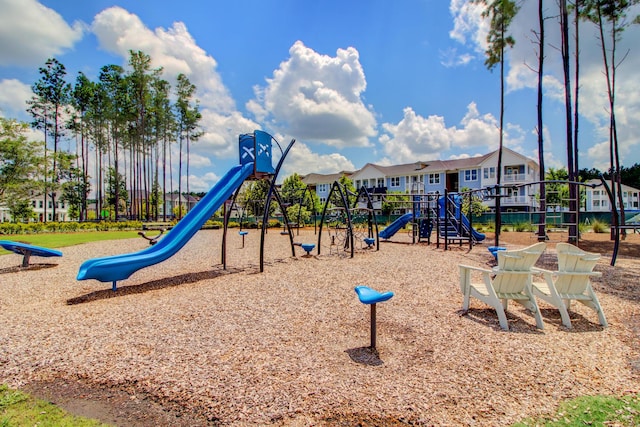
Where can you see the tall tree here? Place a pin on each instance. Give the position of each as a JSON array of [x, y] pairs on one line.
[[163, 123], [51, 95], [112, 80], [610, 16], [141, 79], [500, 14], [81, 97], [571, 151], [188, 116], [540, 35]]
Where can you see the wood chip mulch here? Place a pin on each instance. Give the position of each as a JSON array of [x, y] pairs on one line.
[[196, 344]]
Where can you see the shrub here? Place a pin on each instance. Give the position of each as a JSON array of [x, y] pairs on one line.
[[274, 223], [599, 226], [522, 226]]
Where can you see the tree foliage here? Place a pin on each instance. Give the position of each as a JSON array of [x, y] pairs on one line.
[[124, 121], [20, 162]]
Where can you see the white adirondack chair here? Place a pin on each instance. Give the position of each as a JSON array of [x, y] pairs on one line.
[[510, 280], [571, 282]]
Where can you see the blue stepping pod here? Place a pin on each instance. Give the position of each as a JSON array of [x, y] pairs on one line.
[[370, 296]]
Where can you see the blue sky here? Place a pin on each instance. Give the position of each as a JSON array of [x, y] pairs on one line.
[[352, 81]]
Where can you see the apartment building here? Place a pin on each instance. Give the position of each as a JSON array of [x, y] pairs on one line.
[[597, 199], [453, 175]]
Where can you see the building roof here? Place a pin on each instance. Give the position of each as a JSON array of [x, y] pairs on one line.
[[414, 168], [318, 178], [624, 186], [421, 167]]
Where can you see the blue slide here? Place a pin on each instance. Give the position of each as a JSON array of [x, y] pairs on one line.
[[395, 226], [479, 237], [120, 267]]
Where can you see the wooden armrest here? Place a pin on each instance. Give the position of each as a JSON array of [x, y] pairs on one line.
[[578, 273], [469, 267]]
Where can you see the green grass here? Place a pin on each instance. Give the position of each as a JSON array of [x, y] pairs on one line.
[[20, 409], [592, 411], [59, 240]]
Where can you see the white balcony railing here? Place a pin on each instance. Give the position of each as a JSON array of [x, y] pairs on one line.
[[515, 200], [515, 177]]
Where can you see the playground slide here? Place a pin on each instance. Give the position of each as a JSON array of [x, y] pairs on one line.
[[395, 226], [465, 221], [119, 267], [475, 233]]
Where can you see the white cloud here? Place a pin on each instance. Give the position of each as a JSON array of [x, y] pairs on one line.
[[469, 27], [451, 58], [317, 97], [477, 131], [199, 183], [417, 137], [119, 31], [303, 160], [30, 33], [600, 155], [13, 97]]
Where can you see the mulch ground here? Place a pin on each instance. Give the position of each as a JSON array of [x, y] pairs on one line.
[[186, 343]]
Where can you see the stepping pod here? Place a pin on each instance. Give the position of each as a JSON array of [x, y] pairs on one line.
[[372, 297], [243, 233]]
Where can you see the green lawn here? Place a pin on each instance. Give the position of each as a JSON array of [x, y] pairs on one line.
[[60, 240], [20, 409]]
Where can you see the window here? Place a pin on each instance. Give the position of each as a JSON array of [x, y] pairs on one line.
[[511, 170], [322, 188], [596, 203], [434, 178], [358, 185], [395, 181], [596, 192], [40, 204], [490, 172], [471, 175], [380, 182]]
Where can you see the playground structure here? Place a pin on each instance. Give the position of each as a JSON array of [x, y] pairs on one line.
[[348, 222], [255, 163], [567, 219], [433, 211], [445, 214]]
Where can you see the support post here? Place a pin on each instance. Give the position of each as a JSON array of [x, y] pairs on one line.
[[373, 326]]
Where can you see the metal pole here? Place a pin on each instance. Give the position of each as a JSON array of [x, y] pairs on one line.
[[373, 326]]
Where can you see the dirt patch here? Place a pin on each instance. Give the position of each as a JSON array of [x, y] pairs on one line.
[[110, 405]]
